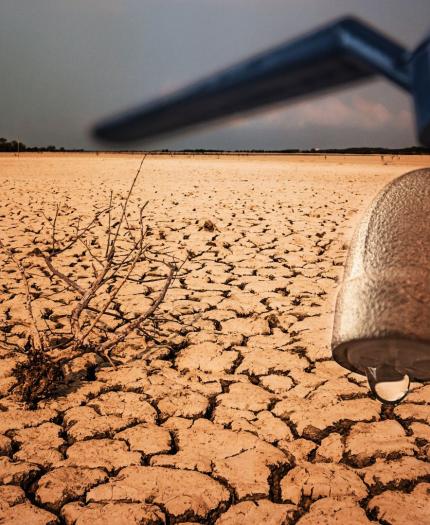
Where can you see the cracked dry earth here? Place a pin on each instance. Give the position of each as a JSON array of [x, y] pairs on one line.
[[241, 416]]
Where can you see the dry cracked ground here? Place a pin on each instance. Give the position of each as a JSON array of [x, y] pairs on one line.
[[240, 416]]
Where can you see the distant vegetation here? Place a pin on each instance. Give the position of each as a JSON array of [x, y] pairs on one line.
[[12, 146], [412, 150], [15, 146]]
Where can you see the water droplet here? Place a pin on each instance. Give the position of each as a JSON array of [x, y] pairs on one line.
[[388, 385]]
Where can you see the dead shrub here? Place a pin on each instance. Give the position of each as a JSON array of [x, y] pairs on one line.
[[98, 320]]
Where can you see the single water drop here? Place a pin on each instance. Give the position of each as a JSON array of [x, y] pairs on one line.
[[388, 385]]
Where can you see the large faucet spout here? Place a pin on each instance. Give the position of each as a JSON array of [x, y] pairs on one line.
[[341, 53]]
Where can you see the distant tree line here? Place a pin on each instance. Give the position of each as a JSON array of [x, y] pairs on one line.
[[412, 150], [14, 146]]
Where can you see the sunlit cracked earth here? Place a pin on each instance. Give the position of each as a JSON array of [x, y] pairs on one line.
[[240, 417]]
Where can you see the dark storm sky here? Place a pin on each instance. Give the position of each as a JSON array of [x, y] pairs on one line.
[[66, 63]]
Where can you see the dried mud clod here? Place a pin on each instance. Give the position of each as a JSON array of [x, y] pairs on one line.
[[209, 226]]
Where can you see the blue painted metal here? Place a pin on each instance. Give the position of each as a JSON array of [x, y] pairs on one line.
[[420, 66], [344, 52]]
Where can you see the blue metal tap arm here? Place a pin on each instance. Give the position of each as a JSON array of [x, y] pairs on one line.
[[342, 53]]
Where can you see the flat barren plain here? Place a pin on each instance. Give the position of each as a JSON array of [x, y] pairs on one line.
[[235, 413]]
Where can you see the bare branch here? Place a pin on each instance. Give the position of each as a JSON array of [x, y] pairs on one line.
[[80, 234], [85, 300], [93, 256], [57, 272], [124, 209], [109, 224], [109, 300], [105, 347], [54, 222], [37, 339]]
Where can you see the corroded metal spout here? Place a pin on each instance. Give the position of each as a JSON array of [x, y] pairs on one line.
[[382, 318]]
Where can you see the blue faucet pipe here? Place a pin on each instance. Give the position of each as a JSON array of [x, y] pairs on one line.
[[339, 54]]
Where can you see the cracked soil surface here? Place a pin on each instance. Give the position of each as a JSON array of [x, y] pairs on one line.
[[238, 415]]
